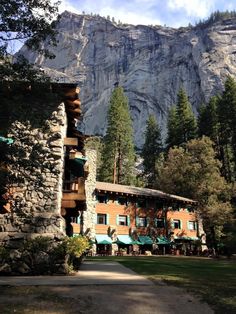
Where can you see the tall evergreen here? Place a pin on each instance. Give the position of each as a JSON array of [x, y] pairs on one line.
[[208, 120], [171, 128], [118, 151], [227, 129], [186, 122], [181, 124], [151, 150]]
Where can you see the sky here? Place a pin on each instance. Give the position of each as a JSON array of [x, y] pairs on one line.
[[174, 13]]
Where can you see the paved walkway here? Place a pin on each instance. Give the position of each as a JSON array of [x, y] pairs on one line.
[[109, 287], [90, 273]]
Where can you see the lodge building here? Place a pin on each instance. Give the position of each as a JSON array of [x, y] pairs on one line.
[[55, 184], [132, 220]]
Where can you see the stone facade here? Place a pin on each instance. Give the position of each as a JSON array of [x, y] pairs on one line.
[[37, 123], [90, 214]]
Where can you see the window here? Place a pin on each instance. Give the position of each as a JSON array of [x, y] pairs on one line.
[[192, 225], [159, 223], [101, 219], [75, 220], [176, 224], [141, 221], [122, 220]]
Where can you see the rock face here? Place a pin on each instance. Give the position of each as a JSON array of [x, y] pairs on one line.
[[151, 63]]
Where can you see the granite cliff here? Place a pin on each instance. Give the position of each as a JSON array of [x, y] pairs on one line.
[[150, 62]]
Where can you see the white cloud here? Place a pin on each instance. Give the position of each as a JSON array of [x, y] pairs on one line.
[[136, 12], [195, 8], [67, 6]]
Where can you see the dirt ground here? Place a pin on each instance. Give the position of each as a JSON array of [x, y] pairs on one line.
[[99, 299]]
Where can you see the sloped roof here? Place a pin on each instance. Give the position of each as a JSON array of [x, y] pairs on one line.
[[132, 190]]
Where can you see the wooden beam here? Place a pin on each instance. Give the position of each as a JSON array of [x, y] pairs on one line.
[[70, 141]]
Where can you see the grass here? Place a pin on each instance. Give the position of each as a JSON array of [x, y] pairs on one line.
[[213, 280], [32, 300]]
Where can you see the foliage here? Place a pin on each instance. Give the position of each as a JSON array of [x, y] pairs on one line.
[[208, 119], [73, 246], [151, 150], [215, 17], [4, 254], [194, 172], [227, 122], [171, 139], [42, 255], [37, 244], [181, 122], [118, 152], [217, 120], [25, 21]]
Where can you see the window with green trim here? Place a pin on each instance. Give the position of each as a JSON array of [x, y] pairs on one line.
[[177, 224], [159, 222], [122, 220], [141, 221], [192, 225], [101, 219]]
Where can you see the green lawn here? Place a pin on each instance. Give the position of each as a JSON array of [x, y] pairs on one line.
[[213, 280]]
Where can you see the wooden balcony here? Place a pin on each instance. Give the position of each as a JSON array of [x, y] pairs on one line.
[[73, 190]]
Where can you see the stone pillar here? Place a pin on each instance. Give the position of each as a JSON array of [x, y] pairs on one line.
[[35, 168], [90, 184]]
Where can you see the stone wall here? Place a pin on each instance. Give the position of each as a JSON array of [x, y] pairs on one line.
[[37, 123], [90, 184]]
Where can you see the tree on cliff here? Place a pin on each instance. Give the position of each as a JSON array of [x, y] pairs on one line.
[[24, 21], [151, 150], [118, 151], [182, 125], [194, 172]]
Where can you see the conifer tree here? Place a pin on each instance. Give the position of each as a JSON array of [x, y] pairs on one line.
[[181, 123], [186, 123], [152, 149], [118, 151], [171, 127], [227, 130], [208, 120]]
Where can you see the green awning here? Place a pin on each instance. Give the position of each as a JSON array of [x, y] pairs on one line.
[[163, 240], [145, 240], [186, 238], [124, 239], [6, 140], [103, 239], [77, 166], [136, 242]]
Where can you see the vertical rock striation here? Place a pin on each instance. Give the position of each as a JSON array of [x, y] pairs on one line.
[[151, 63]]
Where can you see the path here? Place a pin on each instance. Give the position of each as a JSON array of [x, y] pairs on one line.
[[109, 287]]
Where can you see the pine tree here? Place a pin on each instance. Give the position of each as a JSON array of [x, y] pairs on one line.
[[152, 149], [118, 152], [208, 120], [186, 122], [181, 123], [227, 130], [171, 127]]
